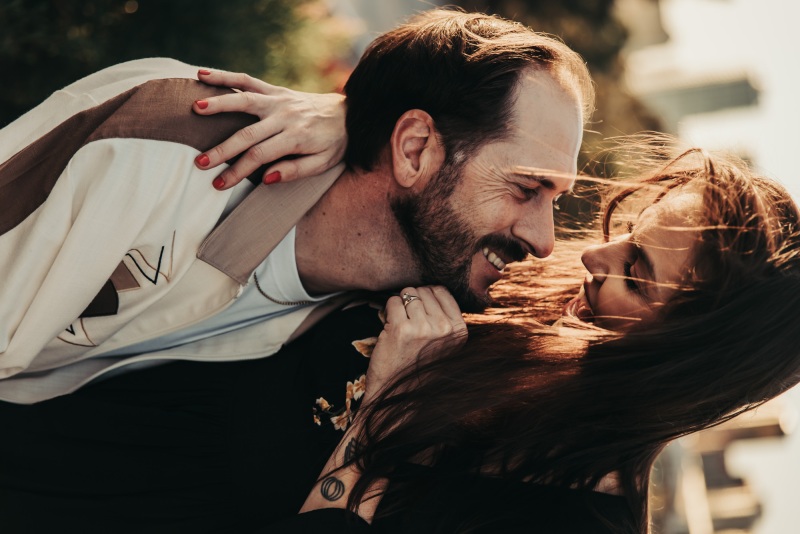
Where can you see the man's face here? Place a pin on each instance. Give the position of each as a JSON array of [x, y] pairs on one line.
[[501, 206]]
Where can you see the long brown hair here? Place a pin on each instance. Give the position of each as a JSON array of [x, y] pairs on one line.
[[566, 407]]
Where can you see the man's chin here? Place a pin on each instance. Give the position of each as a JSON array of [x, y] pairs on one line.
[[473, 302]]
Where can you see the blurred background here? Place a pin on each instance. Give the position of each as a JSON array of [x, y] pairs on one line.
[[717, 73]]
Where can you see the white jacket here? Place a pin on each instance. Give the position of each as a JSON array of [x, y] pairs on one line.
[[110, 236]]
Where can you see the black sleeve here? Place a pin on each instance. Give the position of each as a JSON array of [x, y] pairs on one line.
[[442, 503], [185, 447], [324, 521]]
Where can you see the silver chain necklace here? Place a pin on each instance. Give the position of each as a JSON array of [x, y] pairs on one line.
[[276, 301]]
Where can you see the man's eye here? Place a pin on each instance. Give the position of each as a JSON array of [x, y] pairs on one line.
[[527, 192]]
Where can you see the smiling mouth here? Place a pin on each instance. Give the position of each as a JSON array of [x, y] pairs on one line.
[[494, 259], [579, 307]]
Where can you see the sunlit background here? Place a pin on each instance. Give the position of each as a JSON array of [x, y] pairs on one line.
[[721, 74]]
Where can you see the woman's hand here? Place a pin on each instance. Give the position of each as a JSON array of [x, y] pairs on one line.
[[308, 126], [420, 321], [430, 323]]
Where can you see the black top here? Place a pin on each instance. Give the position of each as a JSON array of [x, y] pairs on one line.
[[192, 447]]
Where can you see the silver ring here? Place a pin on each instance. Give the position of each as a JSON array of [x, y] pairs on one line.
[[408, 298]]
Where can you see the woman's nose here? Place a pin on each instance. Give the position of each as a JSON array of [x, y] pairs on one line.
[[595, 259]]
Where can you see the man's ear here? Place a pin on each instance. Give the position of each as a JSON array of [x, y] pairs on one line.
[[417, 154]]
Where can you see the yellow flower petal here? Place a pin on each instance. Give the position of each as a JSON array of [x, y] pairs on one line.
[[341, 421], [359, 387], [365, 346]]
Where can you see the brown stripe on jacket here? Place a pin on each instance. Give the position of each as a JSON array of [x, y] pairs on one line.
[[158, 110]]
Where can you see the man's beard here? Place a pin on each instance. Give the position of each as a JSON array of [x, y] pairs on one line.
[[443, 242]]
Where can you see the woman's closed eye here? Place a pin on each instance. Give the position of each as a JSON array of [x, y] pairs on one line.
[[629, 280], [633, 279]]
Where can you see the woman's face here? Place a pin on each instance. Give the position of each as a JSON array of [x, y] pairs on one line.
[[631, 277]]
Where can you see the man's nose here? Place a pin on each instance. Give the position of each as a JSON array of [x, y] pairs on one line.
[[595, 259], [537, 231]]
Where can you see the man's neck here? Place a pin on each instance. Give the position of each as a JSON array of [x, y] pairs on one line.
[[351, 240]]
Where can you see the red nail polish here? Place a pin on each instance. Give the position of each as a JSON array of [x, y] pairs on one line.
[[202, 104], [203, 72], [202, 160], [218, 183], [272, 178]]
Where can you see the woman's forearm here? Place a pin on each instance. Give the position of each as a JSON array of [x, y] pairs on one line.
[[425, 319], [333, 488]]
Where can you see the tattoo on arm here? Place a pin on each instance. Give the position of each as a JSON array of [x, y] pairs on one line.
[[332, 488], [352, 450]]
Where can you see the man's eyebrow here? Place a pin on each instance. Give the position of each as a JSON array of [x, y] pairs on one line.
[[545, 182]]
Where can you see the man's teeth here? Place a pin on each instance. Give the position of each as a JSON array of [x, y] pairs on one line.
[[494, 259]]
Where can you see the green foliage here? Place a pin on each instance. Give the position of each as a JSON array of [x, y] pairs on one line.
[[587, 26], [47, 44], [314, 55]]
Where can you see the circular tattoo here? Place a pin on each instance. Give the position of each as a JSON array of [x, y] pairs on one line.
[[332, 489]]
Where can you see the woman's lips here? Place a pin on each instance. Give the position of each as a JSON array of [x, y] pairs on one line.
[[579, 307]]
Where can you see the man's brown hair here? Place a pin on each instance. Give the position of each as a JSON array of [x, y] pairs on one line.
[[462, 69]]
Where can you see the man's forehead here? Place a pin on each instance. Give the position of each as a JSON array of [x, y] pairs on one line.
[[553, 143], [558, 168], [548, 122]]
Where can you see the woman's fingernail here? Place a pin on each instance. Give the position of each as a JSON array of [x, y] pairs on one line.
[[272, 178], [219, 182], [202, 104], [202, 160], [204, 72]]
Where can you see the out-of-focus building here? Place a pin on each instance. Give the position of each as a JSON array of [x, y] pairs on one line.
[[724, 78], [696, 491]]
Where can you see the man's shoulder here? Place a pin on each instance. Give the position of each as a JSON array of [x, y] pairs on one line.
[[161, 110], [85, 94], [122, 76]]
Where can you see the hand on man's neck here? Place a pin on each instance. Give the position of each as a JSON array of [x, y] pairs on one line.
[[351, 240]]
